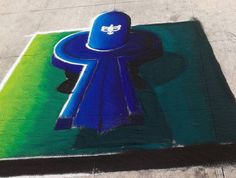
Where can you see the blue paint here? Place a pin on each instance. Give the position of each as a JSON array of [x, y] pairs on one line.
[[104, 96], [109, 31]]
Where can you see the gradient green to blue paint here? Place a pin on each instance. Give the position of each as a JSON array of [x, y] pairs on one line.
[[186, 101]]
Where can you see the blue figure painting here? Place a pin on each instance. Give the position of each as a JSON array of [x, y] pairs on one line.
[[98, 63]]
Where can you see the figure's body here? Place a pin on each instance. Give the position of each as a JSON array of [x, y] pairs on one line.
[[104, 96]]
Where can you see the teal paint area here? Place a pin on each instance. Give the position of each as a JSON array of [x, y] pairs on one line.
[[185, 98]]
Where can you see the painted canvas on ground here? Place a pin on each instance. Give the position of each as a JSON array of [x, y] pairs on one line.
[[183, 94]]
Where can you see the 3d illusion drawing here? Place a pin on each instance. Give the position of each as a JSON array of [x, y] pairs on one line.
[[115, 88], [104, 96]]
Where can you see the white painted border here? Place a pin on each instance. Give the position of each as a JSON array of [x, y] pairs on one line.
[[86, 155], [58, 156], [60, 31], [11, 70], [103, 50]]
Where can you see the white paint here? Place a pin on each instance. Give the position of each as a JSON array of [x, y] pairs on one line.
[[58, 156], [81, 74], [8, 75], [111, 29], [59, 31], [103, 50]]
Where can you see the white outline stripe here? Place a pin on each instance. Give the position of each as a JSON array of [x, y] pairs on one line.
[[60, 31], [87, 155], [11, 70], [58, 156], [65, 61], [99, 154], [77, 83]]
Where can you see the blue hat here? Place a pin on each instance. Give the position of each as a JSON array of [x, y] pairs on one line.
[[109, 31]]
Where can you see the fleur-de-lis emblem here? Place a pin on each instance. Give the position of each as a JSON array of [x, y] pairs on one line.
[[111, 29]]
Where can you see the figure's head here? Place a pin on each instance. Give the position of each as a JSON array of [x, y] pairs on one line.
[[109, 31]]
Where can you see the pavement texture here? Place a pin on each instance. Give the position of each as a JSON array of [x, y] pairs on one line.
[[22, 18]]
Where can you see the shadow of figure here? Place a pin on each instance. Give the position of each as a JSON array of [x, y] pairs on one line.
[[68, 85], [162, 70]]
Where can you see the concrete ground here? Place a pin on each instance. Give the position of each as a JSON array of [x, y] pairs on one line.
[[19, 19]]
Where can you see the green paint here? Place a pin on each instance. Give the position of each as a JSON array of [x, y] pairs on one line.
[[186, 99]]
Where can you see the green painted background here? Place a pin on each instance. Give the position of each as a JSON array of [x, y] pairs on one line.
[[186, 101]]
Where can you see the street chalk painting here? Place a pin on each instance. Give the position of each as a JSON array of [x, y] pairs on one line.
[[114, 89]]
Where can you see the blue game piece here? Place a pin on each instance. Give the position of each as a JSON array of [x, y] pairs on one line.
[[104, 96]]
